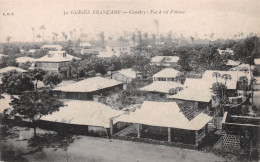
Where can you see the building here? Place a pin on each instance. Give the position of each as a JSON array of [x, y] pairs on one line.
[[232, 63], [86, 89], [243, 67], [22, 60], [82, 117], [32, 51], [257, 64], [234, 74], [227, 51], [52, 47], [167, 74], [124, 75], [11, 68], [2, 55], [163, 87], [165, 121], [115, 48], [165, 61], [57, 61]]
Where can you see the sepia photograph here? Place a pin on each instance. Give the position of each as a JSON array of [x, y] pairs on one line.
[[129, 80]]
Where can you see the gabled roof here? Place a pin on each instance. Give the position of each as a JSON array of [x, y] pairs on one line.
[[24, 59], [128, 73], [166, 59], [233, 63], [190, 94], [161, 86], [84, 113], [167, 73], [89, 85], [56, 56], [164, 114], [10, 68]]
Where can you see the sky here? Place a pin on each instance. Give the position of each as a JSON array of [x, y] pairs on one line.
[[224, 18]]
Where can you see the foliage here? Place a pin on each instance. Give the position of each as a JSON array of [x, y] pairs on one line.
[[226, 77], [6, 61], [26, 65], [52, 78], [76, 66], [243, 80], [35, 104], [219, 89], [37, 74], [11, 49], [16, 82], [217, 75]]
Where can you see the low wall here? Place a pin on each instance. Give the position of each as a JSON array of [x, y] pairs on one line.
[[150, 141]]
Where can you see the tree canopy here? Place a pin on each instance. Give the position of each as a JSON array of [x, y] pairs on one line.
[[52, 79]]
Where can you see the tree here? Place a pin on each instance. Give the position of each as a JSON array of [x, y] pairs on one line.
[[35, 104], [217, 75], [226, 77], [37, 75], [75, 66], [8, 61], [52, 78], [26, 65], [33, 33], [8, 39], [16, 82], [42, 28], [157, 26], [102, 38], [113, 64], [244, 82]]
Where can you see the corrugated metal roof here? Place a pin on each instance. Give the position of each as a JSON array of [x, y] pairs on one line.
[[161, 86], [84, 113], [167, 73], [89, 85], [163, 114]]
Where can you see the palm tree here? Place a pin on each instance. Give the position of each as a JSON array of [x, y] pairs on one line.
[[38, 37], [192, 39], [252, 83], [33, 33], [8, 39], [75, 33], [244, 81], [42, 28], [226, 77], [217, 75], [71, 33], [157, 25]]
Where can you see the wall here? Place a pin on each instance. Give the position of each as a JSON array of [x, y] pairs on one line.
[[121, 78]]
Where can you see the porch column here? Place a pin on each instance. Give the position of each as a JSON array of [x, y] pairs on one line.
[[138, 130], [196, 138], [111, 127], [169, 135]]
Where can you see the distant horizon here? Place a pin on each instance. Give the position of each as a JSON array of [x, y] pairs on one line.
[[223, 18]]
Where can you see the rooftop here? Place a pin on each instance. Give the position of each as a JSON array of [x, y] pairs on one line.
[[257, 61], [24, 59], [128, 73], [190, 94], [233, 63], [164, 114], [161, 86], [56, 46], [167, 73], [56, 56], [234, 74], [84, 113], [89, 85], [10, 68], [166, 59]]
